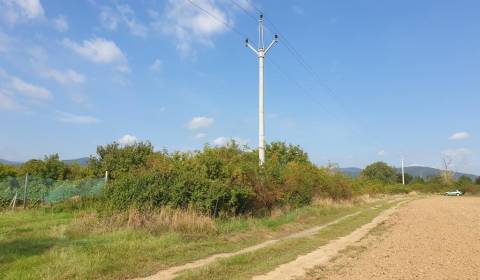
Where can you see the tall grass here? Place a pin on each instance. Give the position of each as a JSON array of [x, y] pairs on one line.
[[162, 220]]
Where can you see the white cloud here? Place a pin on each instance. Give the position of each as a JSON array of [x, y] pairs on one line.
[[200, 135], [245, 4], [156, 65], [64, 77], [190, 25], [76, 119], [39, 59], [31, 8], [224, 141], [127, 140], [60, 23], [415, 165], [221, 141], [381, 153], [460, 136], [112, 17], [30, 90], [99, 50], [109, 19], [14, 11], [11, 88], [200, 122], [7, 103]]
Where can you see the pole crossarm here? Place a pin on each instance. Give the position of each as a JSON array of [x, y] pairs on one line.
[[275, 40], [248, 45]]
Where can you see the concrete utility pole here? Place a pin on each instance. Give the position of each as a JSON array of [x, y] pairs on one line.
[[261, 52], [403, 173]]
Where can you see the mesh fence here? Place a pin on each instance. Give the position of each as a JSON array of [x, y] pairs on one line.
[[46, 191]]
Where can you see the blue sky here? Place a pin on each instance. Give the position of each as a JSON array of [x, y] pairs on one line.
[[386, 78]]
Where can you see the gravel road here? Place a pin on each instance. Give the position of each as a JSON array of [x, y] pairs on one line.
[[431, 238]]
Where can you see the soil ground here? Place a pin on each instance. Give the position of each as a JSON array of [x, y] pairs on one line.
[[432, 238]]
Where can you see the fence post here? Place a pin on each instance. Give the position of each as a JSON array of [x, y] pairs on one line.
[[14, 200], [106, 177], [25, 192]]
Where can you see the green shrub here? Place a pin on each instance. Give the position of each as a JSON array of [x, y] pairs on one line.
[[225, 181], [398, 189]]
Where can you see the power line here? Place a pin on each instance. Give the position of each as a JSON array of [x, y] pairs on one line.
[[290, 48], [245, 10], [231, 27], [303, 62], [281, 71], [301, 87], [293, 51]]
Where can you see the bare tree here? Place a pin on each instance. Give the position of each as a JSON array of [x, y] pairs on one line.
[[447, 174]]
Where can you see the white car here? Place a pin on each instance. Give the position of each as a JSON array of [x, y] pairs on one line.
[[454, 193]]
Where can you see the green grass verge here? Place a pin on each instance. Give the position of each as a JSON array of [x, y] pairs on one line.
[[35, 244], [264, 260]]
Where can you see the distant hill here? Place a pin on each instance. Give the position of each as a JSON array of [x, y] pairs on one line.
[[4, 161], [81, 161], [425, 172], [415, 171], [350, 171]]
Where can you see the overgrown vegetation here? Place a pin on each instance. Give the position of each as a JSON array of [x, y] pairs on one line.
[[61, 243], [222, 181], [161, 209]]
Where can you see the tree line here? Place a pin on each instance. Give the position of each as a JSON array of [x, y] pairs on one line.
[[225, 180]]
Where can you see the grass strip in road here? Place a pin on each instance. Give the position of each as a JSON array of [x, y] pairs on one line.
[[266, 259]]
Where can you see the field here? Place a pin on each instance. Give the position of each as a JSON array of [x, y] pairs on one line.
[[433, 238], [405, 237], [44, 244]]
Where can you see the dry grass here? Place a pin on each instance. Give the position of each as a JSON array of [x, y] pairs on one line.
[[188, 222], [330, 203]]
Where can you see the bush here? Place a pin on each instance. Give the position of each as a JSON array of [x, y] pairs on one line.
[[380, 171], [398, 189], [177, 189], [298, 184], [225, 181], [470, 189]]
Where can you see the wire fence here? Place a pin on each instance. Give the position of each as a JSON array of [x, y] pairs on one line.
[[37, 191]]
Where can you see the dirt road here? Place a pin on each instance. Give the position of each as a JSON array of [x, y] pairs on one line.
[[172, 272], [432, 238]]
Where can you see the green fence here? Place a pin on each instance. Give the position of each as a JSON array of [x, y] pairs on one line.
[[47, 191]]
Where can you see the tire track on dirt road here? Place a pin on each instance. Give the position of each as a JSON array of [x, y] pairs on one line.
[[302, 264], [173, 272]]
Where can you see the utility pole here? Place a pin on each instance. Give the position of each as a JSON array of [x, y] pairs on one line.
[[261, 52], [403, 173]]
